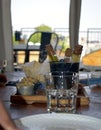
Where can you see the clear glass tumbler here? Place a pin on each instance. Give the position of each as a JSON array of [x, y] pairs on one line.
[[61, 91]]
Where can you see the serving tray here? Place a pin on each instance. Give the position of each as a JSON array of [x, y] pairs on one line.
[[82, 98]]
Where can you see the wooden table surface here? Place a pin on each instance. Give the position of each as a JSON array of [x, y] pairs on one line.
[[22, 110]]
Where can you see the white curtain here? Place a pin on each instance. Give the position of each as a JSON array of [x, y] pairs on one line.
[[6, 46], [74, 21]]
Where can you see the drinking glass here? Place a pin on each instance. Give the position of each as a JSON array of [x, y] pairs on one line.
[[61, 91]]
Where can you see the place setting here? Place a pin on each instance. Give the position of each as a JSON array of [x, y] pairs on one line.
[[62, 76]]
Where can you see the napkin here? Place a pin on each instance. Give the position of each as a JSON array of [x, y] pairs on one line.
[[36, 70]]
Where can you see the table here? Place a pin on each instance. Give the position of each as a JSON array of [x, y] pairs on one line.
[[21, 110], [22, 47]]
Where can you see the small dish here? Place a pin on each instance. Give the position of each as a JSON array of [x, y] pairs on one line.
[[26, 90]]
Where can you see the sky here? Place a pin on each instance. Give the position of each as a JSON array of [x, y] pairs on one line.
[[54, 13]]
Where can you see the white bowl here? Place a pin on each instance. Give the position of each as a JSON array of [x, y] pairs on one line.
[[26, 90]]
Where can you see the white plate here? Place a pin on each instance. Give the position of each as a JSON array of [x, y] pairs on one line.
[[59, 122]]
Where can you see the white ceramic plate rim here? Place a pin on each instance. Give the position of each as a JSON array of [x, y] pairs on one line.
[[59, 121]]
